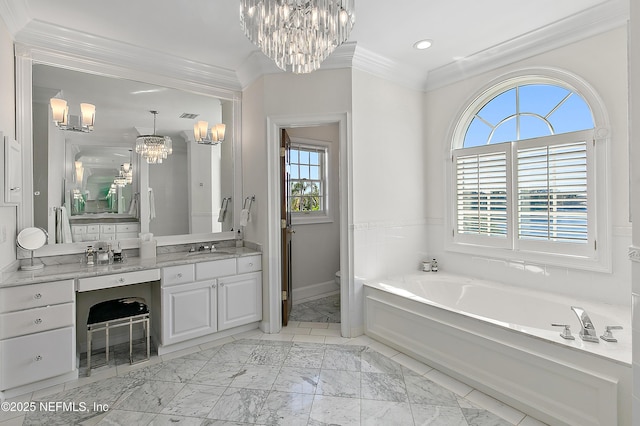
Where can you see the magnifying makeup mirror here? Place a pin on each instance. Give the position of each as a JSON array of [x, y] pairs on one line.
[[32, 239]]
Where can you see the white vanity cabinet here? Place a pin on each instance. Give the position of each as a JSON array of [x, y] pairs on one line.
[[203, 298], [37, 332]]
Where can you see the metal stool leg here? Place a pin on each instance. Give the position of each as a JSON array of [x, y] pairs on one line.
[[89, 334], [147, 334], [130, 341], [106, 334]]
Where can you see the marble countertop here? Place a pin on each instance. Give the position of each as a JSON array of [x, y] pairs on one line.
[[81, 270]]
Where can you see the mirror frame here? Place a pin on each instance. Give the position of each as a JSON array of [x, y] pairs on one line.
[[108, 62]]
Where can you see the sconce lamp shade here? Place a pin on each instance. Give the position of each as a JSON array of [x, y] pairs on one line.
[[200, 130], [59, 110], [88, 114], [220, 130], [79, 172]]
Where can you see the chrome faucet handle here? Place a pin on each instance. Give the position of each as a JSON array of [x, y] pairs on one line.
[[566, 333], [608, 335]]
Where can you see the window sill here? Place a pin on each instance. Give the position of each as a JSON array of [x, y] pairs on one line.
[[594, 264], [310, 219]]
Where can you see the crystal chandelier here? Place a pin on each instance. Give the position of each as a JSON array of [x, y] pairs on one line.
[[154, 148], [297, 34]]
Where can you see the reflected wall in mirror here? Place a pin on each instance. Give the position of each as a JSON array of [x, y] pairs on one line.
[[74, 172]]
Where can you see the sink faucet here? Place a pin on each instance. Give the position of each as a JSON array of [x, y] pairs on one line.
[[587, 331], [210, 247]]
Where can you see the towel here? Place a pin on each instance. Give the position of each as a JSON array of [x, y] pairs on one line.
[[245, 217], [66, 227], [133, 208], [221, 214], [152, 205]]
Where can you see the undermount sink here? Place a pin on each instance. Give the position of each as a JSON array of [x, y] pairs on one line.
[[208, 253]]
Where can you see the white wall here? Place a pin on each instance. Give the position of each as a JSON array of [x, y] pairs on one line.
[[7, 127], [316, 247], [389, 186], [323, 92], [602, 62]]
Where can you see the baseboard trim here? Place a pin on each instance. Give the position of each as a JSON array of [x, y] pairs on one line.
[[314, 291]]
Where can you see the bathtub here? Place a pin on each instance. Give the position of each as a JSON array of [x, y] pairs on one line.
[[498, 339]]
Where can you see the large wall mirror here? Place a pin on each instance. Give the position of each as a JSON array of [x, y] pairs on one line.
[[94, 186]]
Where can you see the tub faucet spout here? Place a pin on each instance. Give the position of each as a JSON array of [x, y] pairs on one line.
[[587, 331]]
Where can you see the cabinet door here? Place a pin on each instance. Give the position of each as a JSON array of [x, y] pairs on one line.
[[239, 300], [188, 311], [12, 170]]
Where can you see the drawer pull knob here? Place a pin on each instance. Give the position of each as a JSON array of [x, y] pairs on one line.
[[37, 296], [121, 280], [38, 321], [38, 358], [221, 284], [250, 264], [179, 275]]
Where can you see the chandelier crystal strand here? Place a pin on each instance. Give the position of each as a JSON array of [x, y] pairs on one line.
[[297, 34]]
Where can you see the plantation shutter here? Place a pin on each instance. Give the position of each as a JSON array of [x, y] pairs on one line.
[[552, 191], [481, 188]]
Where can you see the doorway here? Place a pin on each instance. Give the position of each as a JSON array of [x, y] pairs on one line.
[[272, 321], [311, 211]]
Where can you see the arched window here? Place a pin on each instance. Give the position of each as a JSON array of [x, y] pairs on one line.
[[523, 168]]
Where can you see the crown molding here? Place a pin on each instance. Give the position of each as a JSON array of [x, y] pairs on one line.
[[588, 23], [14, 14], [388, 69], [53, 44]]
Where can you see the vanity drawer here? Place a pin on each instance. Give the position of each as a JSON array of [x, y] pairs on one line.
[[93, 229], [249, 264], [36, 295], [36, 320], [107, 229], [78, 229], [118, 280], [180, 274], [128, 227], [35, 357], [216, 268]]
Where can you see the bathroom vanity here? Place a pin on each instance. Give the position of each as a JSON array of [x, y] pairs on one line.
[[195, 298]]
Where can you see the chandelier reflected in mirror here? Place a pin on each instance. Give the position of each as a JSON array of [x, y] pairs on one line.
[[154, 148], [297, 34]]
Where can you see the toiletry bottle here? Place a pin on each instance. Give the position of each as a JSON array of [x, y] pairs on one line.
[[103, 257], [89, 255], [434, 266], [117, 254], [109, 254]]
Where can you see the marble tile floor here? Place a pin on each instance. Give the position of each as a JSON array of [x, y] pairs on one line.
[[324, 309], [305, 375]]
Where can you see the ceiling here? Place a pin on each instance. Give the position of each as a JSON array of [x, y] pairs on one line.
[[208, 31]]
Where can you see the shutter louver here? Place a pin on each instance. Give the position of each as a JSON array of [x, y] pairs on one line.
[[481, 184], [552, 192]]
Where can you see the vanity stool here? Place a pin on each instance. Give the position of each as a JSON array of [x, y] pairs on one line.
[[106, 315]]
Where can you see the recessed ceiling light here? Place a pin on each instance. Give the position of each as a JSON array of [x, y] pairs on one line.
[[423, 44]]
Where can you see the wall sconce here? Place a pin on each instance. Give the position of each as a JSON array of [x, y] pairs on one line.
[[62, 119], [79, 172], [206, 137], [126, 171]]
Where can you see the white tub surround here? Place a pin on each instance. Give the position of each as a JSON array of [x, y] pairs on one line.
[[499, 339]]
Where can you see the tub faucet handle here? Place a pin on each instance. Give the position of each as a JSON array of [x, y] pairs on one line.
[[566, 333], [608, 335]]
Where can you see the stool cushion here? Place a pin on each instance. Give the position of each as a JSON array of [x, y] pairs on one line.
[[117, 309]]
